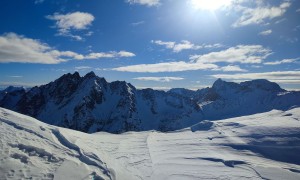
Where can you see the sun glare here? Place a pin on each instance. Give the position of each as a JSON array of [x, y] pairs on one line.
[[210, 4]]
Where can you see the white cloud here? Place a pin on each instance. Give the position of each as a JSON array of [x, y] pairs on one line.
[[298, 10], [183, 45], [167, 44], [145, 2], [259, 14], [166, 67], [125, 54], [159, 79], [71, 21], [237, 54], [265, 33], [17, 48], [284, 77], [79, 68], [111, 54], [15, 76], [284, 61], [231, 68]]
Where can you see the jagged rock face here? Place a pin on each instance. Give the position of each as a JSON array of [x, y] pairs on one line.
[[91, 104], [10, 96]]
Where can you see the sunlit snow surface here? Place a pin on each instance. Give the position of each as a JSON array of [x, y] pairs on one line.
[[261, 146]]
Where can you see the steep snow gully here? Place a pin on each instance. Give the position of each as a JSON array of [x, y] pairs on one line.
[[260, 146]]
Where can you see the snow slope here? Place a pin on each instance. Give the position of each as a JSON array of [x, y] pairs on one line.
[[261, 146]]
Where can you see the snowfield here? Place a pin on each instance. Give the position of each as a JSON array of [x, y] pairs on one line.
[[260, 146]]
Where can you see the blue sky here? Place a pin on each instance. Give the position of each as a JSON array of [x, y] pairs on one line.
[[151, 43]]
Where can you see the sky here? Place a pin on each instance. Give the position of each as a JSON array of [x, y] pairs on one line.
[[158, 44]]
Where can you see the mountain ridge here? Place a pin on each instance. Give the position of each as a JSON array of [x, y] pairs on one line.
[[90, 103]]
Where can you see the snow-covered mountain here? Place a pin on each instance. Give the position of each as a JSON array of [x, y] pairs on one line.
[[92, 104], [260, 146]]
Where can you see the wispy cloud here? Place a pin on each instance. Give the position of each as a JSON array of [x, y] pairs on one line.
[[144, 2], [260, 14], [298, 10], [15, 76], [237, 54], [72, 21], [183, 45], [231, 68], [18, 84], [80, 68], [17, 48], [159, 79], [138, 23], [38, 1], [284, 61], [166, 67], [265, 33], [284, 77]]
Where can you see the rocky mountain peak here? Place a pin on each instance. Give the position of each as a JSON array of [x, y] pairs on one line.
[[91, 104], [262, 84], [90, 75]]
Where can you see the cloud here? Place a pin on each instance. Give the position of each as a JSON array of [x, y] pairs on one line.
[[16, 48], [15, 76], [125, 54], [238, 54], [183, 45], [166, 67], [144, 2], [284, 77], [168, 44], [72, 21], [18, 84], [137, 23], [265, 33], [231, 68], [162, 88], [284, 61], [159, 79], [79, 68], [112, 54], [19, 49], [260, 14], [298, 10], [38, 1]]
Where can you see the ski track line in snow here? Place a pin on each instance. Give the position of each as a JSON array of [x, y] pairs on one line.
[[86, 159]]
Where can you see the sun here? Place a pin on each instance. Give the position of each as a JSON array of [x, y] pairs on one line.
[[211, 5]]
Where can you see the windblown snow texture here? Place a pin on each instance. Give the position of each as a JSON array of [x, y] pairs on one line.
[[260, 146]]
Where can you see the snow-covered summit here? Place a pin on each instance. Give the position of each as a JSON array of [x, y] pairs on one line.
[[91, 104]]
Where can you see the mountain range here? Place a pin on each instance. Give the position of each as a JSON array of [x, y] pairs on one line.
[[91, 104]]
